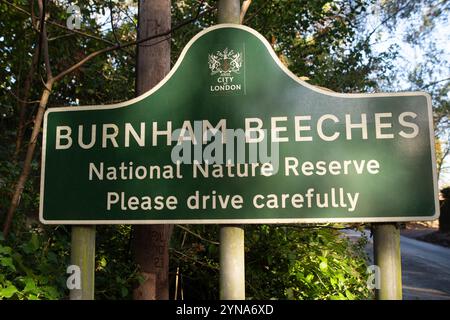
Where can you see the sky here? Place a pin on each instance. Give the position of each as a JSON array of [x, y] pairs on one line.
[[412, 55]]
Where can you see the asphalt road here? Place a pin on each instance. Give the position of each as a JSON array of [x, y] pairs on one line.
[[425, 269]]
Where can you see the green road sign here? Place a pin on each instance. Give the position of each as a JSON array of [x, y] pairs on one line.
[[232, 136]]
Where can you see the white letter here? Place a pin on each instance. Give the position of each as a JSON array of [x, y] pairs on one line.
[[379, 126], [411, 125], [291, 163], [320, 129], [349, 126], [139, 139], [80, 137], [373, 166], [93, 168], [66, 136], [110, 136], [299, 128], [275, 130], [187, 127], [255, 201], [167, 133], [257, 129], [110, 201], [207, 126]]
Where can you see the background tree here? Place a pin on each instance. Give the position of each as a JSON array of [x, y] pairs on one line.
[[151, 242], [421, 26]]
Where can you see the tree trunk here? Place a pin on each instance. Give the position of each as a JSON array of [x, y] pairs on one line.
[[444, 218], [28, 158], [20, 185], [25, 94], [151, 242]]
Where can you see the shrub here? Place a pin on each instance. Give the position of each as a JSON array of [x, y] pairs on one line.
[[33, 265], [281, 263]]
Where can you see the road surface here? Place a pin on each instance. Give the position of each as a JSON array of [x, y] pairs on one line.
[[425, 269]]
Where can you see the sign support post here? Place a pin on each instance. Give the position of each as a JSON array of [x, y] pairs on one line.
[[386, 245], [232, 260], [83, 256], [232, 265]]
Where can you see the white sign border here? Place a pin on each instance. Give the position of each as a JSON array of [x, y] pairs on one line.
[[241, 221]]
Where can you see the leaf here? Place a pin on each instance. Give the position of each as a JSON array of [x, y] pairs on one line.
[[5, 250], [7, 262], [337, 297], [51, 293], [34, 241], [323, 266], [52, 257], [124, 292], [349, 295], [8, 292], [32, 245], [30, 285], [102, 263], [290, 294]]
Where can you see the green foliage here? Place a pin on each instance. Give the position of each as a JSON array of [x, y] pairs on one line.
[[281, 263], [318, 40], [194, 257], [116, 274], [295, 263], [35, 268]]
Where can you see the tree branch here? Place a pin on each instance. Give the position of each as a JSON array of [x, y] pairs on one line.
[[387, 19], [195, 234], [434, 82], [41, 4], [33, 17], [128, 44], [61, 36], [56, 24], [44, 39], [112, 21], [244, 9], [128, 16], [256, 12], [21, 100]]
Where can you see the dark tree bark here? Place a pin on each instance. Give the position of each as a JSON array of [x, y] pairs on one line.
[[151, 242], [444, 218], [20, 185], [25, 95]]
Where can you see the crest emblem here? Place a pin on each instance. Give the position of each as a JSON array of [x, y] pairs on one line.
[[225, 62]]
